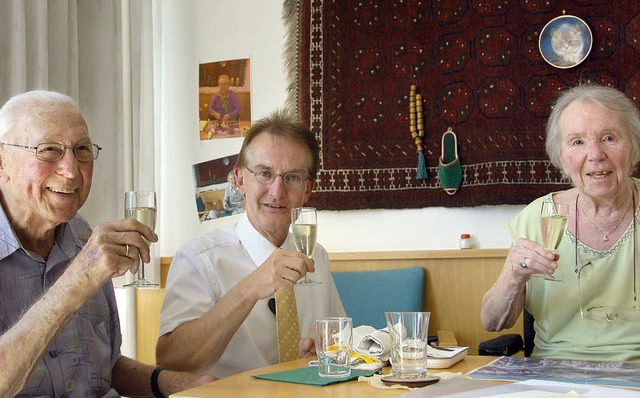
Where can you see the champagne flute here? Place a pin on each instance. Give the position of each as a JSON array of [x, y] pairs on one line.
[[304, 225], [553, 221], [141, 205]]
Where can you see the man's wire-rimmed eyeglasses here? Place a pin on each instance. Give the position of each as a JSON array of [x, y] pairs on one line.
[[266, 177], [54, 151]]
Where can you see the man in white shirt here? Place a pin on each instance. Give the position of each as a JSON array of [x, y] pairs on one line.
[[216, 316]]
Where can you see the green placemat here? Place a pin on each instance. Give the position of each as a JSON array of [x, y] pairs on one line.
[[309, 375]]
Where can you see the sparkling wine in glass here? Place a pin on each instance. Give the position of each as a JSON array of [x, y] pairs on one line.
[[304, 225], [141, 205], [553, 221]]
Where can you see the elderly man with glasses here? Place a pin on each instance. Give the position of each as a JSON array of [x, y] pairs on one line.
[[59, 328], [217, 316]]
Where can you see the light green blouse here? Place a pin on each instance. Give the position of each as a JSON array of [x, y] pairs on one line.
[[560, 330]]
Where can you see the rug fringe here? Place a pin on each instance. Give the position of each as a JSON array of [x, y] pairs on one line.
[[291, 18]]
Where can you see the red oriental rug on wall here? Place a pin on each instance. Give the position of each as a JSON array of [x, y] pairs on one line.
[[480, 72]]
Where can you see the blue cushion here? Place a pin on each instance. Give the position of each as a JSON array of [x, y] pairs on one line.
[[367, 295]]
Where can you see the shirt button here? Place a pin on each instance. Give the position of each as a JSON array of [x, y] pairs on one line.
[[53, 353]]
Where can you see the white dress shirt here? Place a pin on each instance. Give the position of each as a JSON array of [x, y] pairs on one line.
[[205, 268]]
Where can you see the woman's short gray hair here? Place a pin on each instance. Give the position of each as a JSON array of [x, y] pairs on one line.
[[610, 99], [19, 105]]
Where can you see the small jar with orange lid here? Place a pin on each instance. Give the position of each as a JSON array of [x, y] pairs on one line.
[[465, 241]]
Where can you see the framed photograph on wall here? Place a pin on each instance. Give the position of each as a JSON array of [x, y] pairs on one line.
[[216, 193], [224, 99]]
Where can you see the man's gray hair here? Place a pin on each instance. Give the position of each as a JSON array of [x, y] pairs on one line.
[[19, 106]]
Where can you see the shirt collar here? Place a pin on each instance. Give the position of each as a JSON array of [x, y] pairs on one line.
[[257, 246], [9, 242]]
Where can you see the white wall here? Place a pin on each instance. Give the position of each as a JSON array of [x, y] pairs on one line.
[[211, 30]]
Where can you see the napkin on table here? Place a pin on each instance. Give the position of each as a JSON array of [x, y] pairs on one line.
[[376, 343], [370, 341]]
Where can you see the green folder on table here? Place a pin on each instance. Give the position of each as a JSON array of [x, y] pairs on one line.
[[309, 375]]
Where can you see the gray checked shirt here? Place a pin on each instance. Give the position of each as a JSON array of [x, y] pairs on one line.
[[79, 361]]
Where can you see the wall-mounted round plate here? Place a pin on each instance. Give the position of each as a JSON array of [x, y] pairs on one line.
[[565, 41]]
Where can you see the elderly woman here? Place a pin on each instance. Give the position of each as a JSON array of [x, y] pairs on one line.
[[59, 328], [225, 104], [593, 135]]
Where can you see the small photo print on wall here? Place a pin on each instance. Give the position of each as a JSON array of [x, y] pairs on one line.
[[225, 99], [216, 193]]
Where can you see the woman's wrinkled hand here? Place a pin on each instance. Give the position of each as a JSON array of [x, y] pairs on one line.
[[527, 257]]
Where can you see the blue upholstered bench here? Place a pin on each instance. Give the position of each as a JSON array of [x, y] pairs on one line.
[[367, 295]]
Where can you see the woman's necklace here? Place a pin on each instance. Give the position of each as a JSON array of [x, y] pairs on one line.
[[605, 235], [635, 239]]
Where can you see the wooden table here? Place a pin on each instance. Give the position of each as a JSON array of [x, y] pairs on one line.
[[243, 385], [243, 126]]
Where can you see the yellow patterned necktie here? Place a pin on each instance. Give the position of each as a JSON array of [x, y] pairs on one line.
[[287, 327]]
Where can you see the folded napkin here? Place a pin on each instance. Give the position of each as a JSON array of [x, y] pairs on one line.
[[370, 341], [309, 375], [376, 343]]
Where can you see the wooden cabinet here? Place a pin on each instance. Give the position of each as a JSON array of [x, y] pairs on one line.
[[213, 200]]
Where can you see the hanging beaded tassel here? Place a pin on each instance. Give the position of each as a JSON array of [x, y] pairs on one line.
[[416, 128]]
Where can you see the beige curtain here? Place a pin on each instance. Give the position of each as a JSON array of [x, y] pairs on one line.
[[76, 47], [100, 52]]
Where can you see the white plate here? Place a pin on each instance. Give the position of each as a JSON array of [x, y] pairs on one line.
[[453, 357]]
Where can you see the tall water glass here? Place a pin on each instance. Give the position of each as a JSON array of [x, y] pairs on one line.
[[409, 333], [334, 340]]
